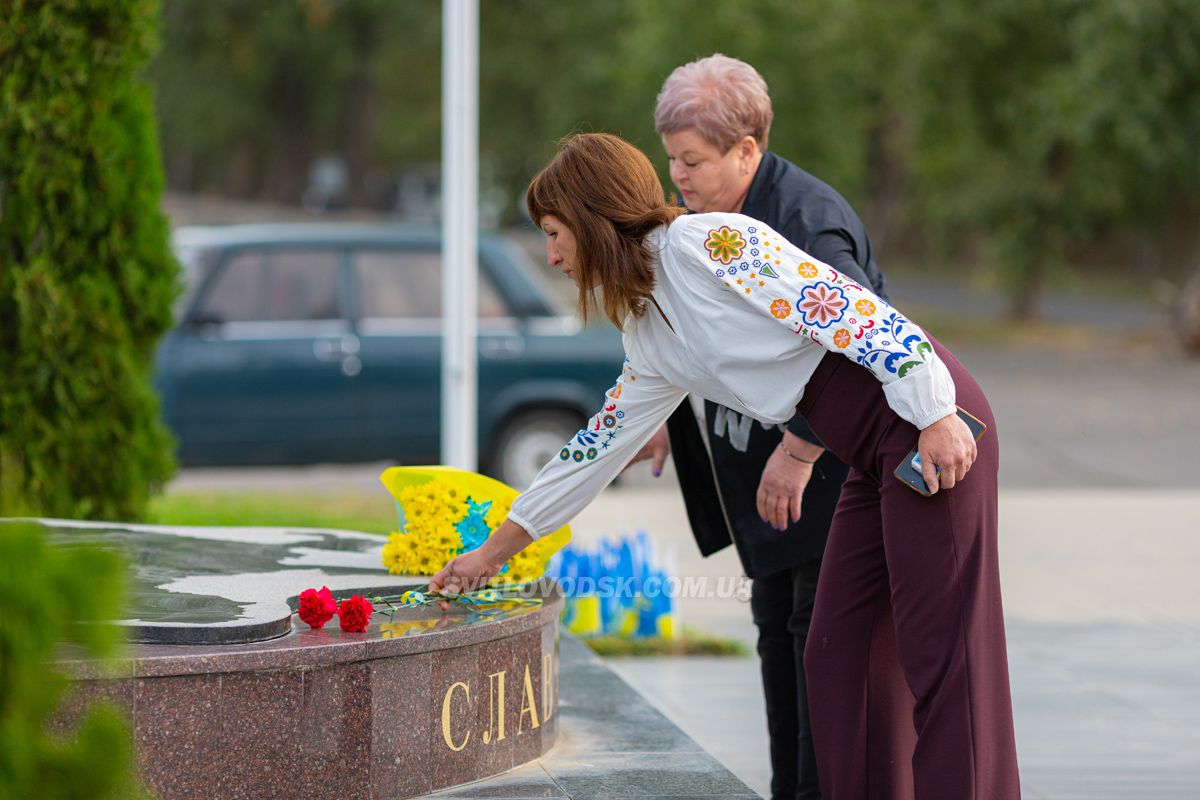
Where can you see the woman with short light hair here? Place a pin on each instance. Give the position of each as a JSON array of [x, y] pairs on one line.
[[714, 116]]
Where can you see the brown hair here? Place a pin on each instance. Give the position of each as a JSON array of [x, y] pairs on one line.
[[607, 193]]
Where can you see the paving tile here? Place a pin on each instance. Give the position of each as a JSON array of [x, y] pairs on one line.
[[177, 730], [336, 733], [401, 733], [80, 698], [523, 783], [630, 775], [260, 735], [526, 707], [460, 701]]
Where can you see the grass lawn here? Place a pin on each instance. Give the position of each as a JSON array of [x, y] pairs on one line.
[[356, 512], [691, 643]]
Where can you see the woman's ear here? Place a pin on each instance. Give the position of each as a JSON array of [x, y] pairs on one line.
[[748, 152]]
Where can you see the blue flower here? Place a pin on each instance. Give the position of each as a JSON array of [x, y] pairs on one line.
[[473, 530], [480, 509]]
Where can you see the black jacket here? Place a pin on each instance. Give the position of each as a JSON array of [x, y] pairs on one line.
[[719, 492]]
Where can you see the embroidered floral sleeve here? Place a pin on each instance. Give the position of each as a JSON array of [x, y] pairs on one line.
[[828, 308], [634, 408]]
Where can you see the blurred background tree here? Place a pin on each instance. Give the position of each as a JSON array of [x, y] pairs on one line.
[[1053, 131], [87, 278], [1030, 139]]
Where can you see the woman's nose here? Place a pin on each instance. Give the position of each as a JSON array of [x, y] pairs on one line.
[[552, 255], [676, 171]]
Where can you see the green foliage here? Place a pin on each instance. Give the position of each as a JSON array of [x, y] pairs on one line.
[[50, 597], [1025, 130], [86, 273], [1046, 124]]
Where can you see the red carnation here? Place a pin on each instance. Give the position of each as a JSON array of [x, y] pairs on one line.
[[354, 614], [317, 608]]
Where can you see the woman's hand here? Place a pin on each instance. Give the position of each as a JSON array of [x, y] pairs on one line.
[[657, 450], [946, 444], [471, 571], [781, 487], [465, 573]]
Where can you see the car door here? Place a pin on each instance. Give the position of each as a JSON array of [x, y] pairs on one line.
[[267, 360], [399, 301]]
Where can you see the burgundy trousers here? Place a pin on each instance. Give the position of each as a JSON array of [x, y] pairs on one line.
[[934, 561]]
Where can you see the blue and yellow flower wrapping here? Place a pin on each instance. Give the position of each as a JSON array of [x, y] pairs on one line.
[[445, 512]]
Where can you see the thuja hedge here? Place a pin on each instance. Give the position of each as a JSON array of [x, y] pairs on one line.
[[86, 274], [52, 596]]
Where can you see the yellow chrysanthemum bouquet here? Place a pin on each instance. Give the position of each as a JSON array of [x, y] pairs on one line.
[[445, 512]]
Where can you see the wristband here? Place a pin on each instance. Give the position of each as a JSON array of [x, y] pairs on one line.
[[794, 456]]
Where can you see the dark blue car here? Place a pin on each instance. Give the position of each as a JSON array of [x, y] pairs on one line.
[[303, 343]]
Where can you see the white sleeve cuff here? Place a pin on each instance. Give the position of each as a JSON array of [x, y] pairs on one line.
[[923, 396]]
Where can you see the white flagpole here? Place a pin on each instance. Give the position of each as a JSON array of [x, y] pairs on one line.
[[460, 230]]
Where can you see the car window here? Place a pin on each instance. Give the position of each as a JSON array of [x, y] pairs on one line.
[[195, 262], [408, 283], [274, 285]]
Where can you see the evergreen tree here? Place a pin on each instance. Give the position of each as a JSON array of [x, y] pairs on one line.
[[86, 273]]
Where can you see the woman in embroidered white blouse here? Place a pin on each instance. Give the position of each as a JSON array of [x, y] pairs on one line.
[[722, 306]]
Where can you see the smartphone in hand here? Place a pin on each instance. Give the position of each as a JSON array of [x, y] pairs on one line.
[[909, 471]]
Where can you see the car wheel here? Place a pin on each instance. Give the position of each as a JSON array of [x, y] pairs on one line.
[[528, 441]]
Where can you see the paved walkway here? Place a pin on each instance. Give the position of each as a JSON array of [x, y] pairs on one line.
[[1103, 613]]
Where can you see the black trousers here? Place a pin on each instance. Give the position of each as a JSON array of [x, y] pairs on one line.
[[782, 605]]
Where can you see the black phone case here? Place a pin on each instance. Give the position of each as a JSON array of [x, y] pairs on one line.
[[911, 476]]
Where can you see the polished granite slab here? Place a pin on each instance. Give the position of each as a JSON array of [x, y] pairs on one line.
[[224, 585], [228, 694], [424, 700]]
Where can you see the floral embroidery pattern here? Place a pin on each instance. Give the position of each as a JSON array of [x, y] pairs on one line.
[[822, 304], [833, 310], [897, 343], [602, 428], [725, 245]]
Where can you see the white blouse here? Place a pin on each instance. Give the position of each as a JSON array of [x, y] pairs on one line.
[[751, 316]]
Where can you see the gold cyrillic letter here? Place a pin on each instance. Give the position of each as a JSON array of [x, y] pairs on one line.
[[547, 686], [446, 716], [528, 704], [495, 701]]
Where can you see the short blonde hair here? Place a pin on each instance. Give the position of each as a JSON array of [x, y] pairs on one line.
[[722, 98]]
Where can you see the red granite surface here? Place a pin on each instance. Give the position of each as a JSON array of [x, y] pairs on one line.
[[409, 706]]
